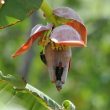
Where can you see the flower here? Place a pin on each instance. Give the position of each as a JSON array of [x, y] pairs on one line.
[[57, 41]]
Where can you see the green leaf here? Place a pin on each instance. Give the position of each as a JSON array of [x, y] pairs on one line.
[[42, 98], [14, 11], [17, 82]]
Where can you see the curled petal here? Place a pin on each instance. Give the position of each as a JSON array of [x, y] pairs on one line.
[[27, 45], [81, 29], [67, 13], [66, 35], [76, 22], [39, 28], [36, 32]]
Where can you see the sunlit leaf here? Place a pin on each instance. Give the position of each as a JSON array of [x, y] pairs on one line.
[[1, 3], [17, 10]]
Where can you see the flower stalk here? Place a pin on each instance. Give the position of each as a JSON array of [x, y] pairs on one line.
[[48, 12]]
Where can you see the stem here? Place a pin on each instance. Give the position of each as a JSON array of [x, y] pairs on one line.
[[45, 7], [45, 100]]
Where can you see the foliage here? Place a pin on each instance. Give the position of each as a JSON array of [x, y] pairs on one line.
[[21, 86], [16, 10], [88, 84]]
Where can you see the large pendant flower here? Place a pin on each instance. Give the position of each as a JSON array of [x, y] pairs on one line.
[[57, 41]]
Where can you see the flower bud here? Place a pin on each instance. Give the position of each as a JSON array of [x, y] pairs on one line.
[[58, 64]]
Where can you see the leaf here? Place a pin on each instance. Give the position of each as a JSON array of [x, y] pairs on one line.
[[14, 11], [17, 82], [28, 91]]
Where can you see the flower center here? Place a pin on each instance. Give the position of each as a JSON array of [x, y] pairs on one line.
[[45, 40]]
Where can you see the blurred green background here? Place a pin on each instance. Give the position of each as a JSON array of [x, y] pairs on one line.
[[88, 83]]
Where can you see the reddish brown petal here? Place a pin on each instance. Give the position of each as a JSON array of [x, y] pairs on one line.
[[67, 13], [35, 33], [66, 35], [80, 28], [76, 22], [27, 45], [40, 27]]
